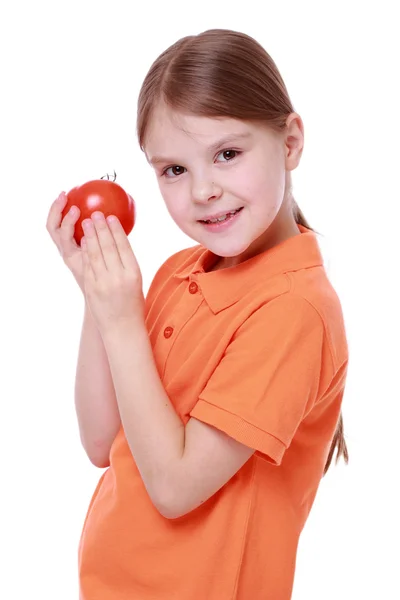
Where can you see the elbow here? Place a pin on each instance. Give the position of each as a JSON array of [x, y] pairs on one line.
[[171, 503], [169, 511], [177, 510], [99, 461], [97, 453]]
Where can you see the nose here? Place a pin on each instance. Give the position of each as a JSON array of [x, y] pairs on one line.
[[204, 191]]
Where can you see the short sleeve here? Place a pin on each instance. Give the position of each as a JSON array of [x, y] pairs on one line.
[[268, 378]]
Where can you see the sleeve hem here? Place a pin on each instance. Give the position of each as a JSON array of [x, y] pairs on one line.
[[240, 430]]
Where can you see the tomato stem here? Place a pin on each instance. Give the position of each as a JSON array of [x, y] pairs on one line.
[[108, 178]]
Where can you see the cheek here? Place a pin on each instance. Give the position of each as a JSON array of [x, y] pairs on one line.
[[262, 175], [174, 202], [268, 182]]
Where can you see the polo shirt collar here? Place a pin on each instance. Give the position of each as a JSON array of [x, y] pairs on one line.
[[225, 287]]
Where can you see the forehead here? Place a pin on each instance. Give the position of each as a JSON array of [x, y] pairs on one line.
[[168, 128]]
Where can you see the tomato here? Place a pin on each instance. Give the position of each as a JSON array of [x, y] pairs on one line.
[[102, 195]]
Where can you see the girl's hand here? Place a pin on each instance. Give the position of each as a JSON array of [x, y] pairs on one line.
[[62, 234], [111, 274]]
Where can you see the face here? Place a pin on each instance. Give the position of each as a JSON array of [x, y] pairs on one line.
[[207, 167]]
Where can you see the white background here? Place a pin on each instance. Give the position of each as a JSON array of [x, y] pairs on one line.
[[70, 76]]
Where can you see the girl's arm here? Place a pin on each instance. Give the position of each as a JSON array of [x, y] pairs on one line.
[[181, 467], [95, 401]]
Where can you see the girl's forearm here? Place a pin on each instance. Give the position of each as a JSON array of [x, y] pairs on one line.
[[95, 402], [153, 430]]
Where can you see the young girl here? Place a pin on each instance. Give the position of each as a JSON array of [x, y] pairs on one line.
[[215, 402]]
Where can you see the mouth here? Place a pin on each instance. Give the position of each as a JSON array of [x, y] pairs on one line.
[[221, 219], [224, 223]]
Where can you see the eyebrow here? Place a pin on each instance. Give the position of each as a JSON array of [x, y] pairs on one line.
[[225, 140]]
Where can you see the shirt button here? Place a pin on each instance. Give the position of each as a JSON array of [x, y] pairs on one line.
[[168, 331], [193, 287]]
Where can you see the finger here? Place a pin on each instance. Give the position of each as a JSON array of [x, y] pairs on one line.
[[125, 251], [87, 268], [107, 242], [62, 229], [67, 230], [89, 278], [55, 215], [93, 249]]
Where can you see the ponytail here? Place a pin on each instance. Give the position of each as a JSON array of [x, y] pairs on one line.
[[338, 442]]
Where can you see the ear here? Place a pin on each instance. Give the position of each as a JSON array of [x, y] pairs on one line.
[[294, 141]]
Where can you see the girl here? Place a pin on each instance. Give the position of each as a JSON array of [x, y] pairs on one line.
[[215, 402]]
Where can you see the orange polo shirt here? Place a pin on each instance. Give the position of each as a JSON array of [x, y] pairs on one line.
[[259, 351]]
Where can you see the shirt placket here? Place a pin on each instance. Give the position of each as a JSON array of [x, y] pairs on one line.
[[174, 322]]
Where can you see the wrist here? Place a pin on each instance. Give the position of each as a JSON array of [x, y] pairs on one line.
[[125, 328]]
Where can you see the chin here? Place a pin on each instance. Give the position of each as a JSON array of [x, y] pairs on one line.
[[231, 251]]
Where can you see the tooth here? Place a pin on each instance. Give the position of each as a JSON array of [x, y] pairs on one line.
[[232, 212]]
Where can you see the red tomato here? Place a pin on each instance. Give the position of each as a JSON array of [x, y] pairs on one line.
[[102, 195]]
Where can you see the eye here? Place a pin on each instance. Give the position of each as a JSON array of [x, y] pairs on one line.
[[175, 174], [229, 155], [177, 170]]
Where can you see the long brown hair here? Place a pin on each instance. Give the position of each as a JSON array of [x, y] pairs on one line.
[[223, 73]]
